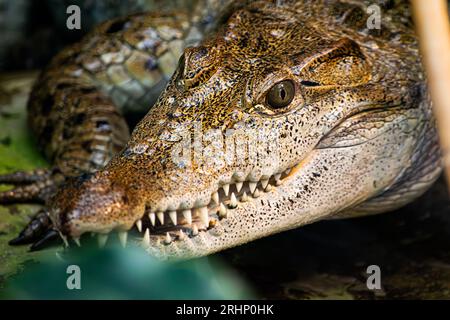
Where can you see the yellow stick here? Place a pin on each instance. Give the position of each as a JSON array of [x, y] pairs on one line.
[[433, 28]]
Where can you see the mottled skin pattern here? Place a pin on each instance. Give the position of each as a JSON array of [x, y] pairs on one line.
[[357, 138]]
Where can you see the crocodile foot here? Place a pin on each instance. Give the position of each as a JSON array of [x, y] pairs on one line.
[[35, 186], [30, 186]]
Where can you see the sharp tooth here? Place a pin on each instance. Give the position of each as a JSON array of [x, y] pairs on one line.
[[215, 197], [204, 218], [168, 239], [233, 201], [146, 239], [264, 183], [278, 183], [139, 225], [239, 186], [152, 218], [77, 241], [173, 217], [102, 238], [194, 230], [244, 197], [181, 235], [160, 216], [222, 211], [226, 189], [277, 176], [252, 186], [287, 171], [256, 193], [188, 216], [268, 188], [123, 238]]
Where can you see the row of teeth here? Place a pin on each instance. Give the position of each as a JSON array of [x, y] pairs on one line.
[[202, 213]]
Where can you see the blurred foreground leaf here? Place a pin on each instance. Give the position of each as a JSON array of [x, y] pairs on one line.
[[117, 273]]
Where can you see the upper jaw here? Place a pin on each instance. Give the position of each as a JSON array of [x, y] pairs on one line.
[[225, 195]]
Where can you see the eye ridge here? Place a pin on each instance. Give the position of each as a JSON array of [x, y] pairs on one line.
[[281, 94]]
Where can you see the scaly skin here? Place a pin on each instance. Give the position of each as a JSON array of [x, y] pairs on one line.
[[357, 138]]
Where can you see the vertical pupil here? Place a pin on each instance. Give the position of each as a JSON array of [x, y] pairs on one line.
[[283, 94]]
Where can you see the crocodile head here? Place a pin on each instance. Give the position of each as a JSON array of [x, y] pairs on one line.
[[273, 122]]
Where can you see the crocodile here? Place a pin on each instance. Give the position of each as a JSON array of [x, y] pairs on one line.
[[261, 116]]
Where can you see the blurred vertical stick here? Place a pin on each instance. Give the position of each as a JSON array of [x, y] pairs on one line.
[[432, 25]]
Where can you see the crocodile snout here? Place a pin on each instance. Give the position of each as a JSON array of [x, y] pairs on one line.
[[94, 203]]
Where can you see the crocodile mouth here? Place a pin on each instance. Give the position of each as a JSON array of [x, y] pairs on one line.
[[166, 227], [169, 226]]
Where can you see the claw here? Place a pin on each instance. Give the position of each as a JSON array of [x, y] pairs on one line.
[[40, 244], [34, 230]]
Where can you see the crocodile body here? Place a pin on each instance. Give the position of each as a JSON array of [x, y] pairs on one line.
[[344, 110]]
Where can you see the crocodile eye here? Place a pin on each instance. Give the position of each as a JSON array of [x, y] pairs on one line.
[[281, 94]]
